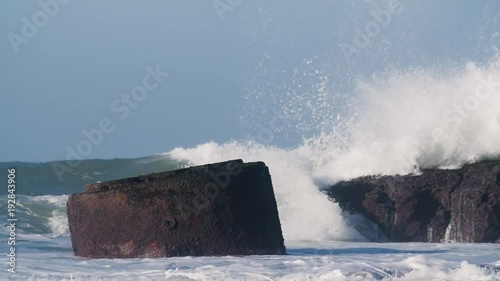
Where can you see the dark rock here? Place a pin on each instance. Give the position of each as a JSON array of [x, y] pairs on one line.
[[226, 208], [476, 205], [460, 205]]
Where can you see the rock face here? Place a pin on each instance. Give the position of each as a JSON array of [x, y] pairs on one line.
[[226, 208], [460, 205]]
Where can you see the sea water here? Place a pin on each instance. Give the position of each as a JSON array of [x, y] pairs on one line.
[[400, 122]]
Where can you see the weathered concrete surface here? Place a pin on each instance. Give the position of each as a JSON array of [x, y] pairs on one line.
[[226, 208], [460, 205]]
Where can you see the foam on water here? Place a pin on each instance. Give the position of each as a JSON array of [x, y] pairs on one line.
[[305, 213], [40, 215], [56, 200], [58, 223], [46, 258]]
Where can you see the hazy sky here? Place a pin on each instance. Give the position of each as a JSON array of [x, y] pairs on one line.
[[65, 67]]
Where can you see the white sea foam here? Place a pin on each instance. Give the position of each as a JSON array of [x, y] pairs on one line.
[[57, 220], [56, 200], [58, 223], [305, 261], [305, 213], [45, 214]]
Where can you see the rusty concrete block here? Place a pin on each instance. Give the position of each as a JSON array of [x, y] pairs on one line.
[[225, 208]]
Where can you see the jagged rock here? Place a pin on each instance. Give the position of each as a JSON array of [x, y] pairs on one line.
[[226, 208], [460, 205]]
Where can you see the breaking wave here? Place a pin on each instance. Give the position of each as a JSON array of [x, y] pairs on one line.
[[396, 123]]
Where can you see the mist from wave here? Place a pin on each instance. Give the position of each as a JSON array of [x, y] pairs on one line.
[[400, 122]]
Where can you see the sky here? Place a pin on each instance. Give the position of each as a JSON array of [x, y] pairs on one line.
[[67, 67]]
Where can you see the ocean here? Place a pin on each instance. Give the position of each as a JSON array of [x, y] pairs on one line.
[[321, 243], [443, 120]]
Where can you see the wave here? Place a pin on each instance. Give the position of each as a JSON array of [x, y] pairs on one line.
[[42, 178], [398, 123], [39, 214], [402, 122]]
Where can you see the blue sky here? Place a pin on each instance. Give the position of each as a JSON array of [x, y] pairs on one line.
[[65, 78]]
